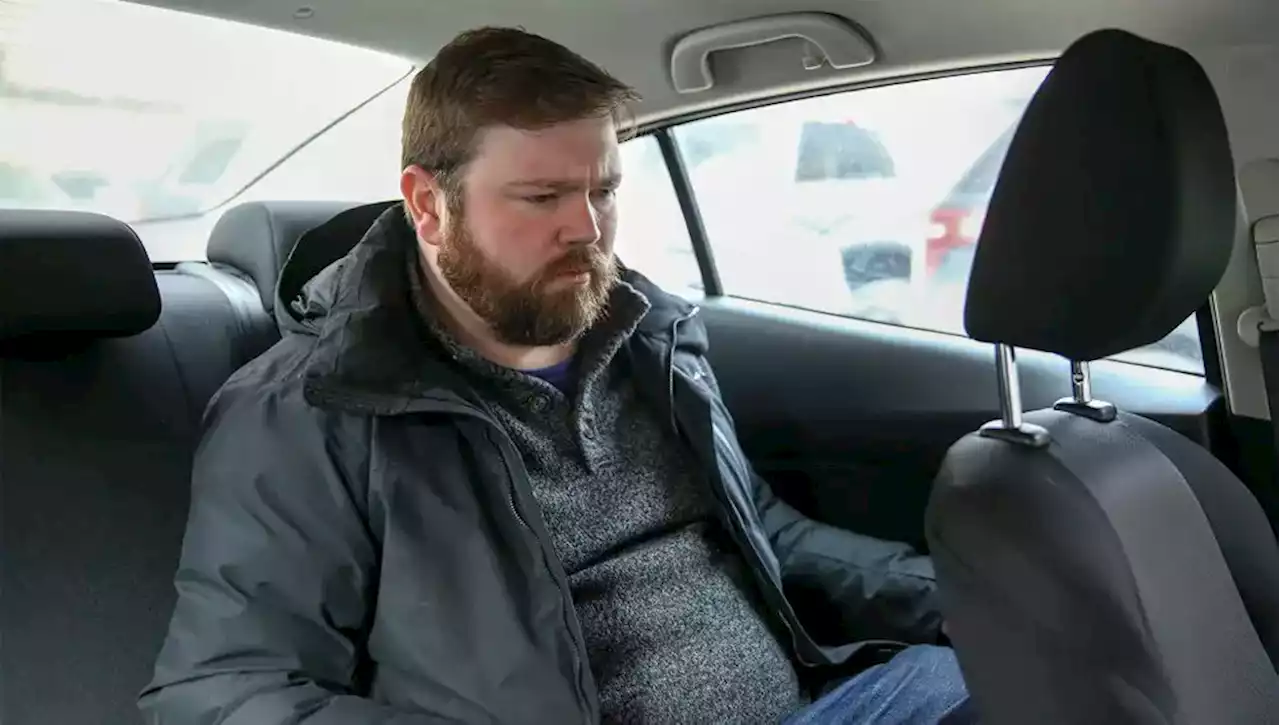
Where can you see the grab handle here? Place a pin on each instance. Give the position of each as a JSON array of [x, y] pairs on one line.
[[829, 40]]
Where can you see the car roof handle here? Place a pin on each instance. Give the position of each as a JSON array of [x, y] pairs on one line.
[[829, 40]]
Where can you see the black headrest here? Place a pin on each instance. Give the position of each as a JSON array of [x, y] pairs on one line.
[[1114, 213], [328, 243], [70, 274], [256, 237]]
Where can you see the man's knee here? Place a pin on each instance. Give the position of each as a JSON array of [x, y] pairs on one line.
[[931, 656], [923, 683], [932, 666]]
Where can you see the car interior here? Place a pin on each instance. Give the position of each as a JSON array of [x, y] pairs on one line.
[[160, 160]]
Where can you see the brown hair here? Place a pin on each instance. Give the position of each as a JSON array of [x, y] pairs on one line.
[[491, 76]]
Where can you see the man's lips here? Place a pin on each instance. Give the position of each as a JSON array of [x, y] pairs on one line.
[[574, 270]]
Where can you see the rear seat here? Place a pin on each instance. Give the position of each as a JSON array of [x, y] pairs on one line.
[[105, 370], [101, 392]]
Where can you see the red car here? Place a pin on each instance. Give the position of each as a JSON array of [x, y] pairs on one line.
[[955, 223]]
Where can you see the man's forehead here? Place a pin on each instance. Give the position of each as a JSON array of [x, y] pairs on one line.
[[567, 150]]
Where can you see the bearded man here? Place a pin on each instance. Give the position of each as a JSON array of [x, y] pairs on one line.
[[487, 476]]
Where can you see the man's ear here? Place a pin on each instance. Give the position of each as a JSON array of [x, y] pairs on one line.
[[424, 199]]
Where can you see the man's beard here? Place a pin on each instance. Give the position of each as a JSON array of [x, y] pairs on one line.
[[527, 314]]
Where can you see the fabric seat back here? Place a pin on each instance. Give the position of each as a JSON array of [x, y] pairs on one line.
[[1096, 567], [105, 369]]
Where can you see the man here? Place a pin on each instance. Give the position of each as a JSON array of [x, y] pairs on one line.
[[486, 477]]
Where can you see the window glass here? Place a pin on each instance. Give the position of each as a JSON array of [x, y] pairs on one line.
[[175, 112], [868, 203], [359, 160], [652, 237]]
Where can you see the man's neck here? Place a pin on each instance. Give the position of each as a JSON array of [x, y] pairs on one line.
[[469, 329]]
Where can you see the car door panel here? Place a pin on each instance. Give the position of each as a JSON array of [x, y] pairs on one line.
[[849, 420]]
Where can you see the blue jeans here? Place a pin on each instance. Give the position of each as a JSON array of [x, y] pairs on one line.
[[920, 685]]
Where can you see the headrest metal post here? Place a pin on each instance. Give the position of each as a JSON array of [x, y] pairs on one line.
[[1081, 402], [1007, 385], [1081, 387], [1011, 427]]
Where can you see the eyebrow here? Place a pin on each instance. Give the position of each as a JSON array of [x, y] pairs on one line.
[[561, 184]]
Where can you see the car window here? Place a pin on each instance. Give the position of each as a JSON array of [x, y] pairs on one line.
[[359, 160], [832, 151], [168, 122], [868, 203], [652, 236], [356, 160]]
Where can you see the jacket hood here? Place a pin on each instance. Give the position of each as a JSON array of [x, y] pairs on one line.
[[347, 283], [309, 278]]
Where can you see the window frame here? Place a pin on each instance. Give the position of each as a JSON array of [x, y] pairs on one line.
[[682, 184], [663, 130]]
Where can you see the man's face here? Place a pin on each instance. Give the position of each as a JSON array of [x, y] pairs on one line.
[[529, 245]]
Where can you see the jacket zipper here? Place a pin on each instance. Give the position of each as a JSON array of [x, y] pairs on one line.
[[671, 364], [735, 511], [506, 445], [564, 591], [738, 518]]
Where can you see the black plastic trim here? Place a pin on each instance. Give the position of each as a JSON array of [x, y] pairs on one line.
[[711, 286], [1247, 446], [1209, 346]]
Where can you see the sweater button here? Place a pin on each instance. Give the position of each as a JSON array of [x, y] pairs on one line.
[[539, 403]]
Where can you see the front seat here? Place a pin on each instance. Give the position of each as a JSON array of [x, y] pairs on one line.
[[1094, 566]]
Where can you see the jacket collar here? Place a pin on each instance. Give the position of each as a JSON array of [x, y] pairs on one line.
[[375, 354]]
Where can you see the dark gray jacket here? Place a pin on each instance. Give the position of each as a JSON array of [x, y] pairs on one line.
[[363, 546]]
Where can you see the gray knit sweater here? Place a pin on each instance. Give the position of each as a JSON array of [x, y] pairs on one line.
[[672, 625]]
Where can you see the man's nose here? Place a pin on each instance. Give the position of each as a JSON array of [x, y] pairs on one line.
[[582, 221]]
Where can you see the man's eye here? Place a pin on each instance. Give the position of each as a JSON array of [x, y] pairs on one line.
[[606, 193], [541, 199]]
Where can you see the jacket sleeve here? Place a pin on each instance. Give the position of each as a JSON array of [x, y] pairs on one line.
[[877, 589], [275, 578]]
